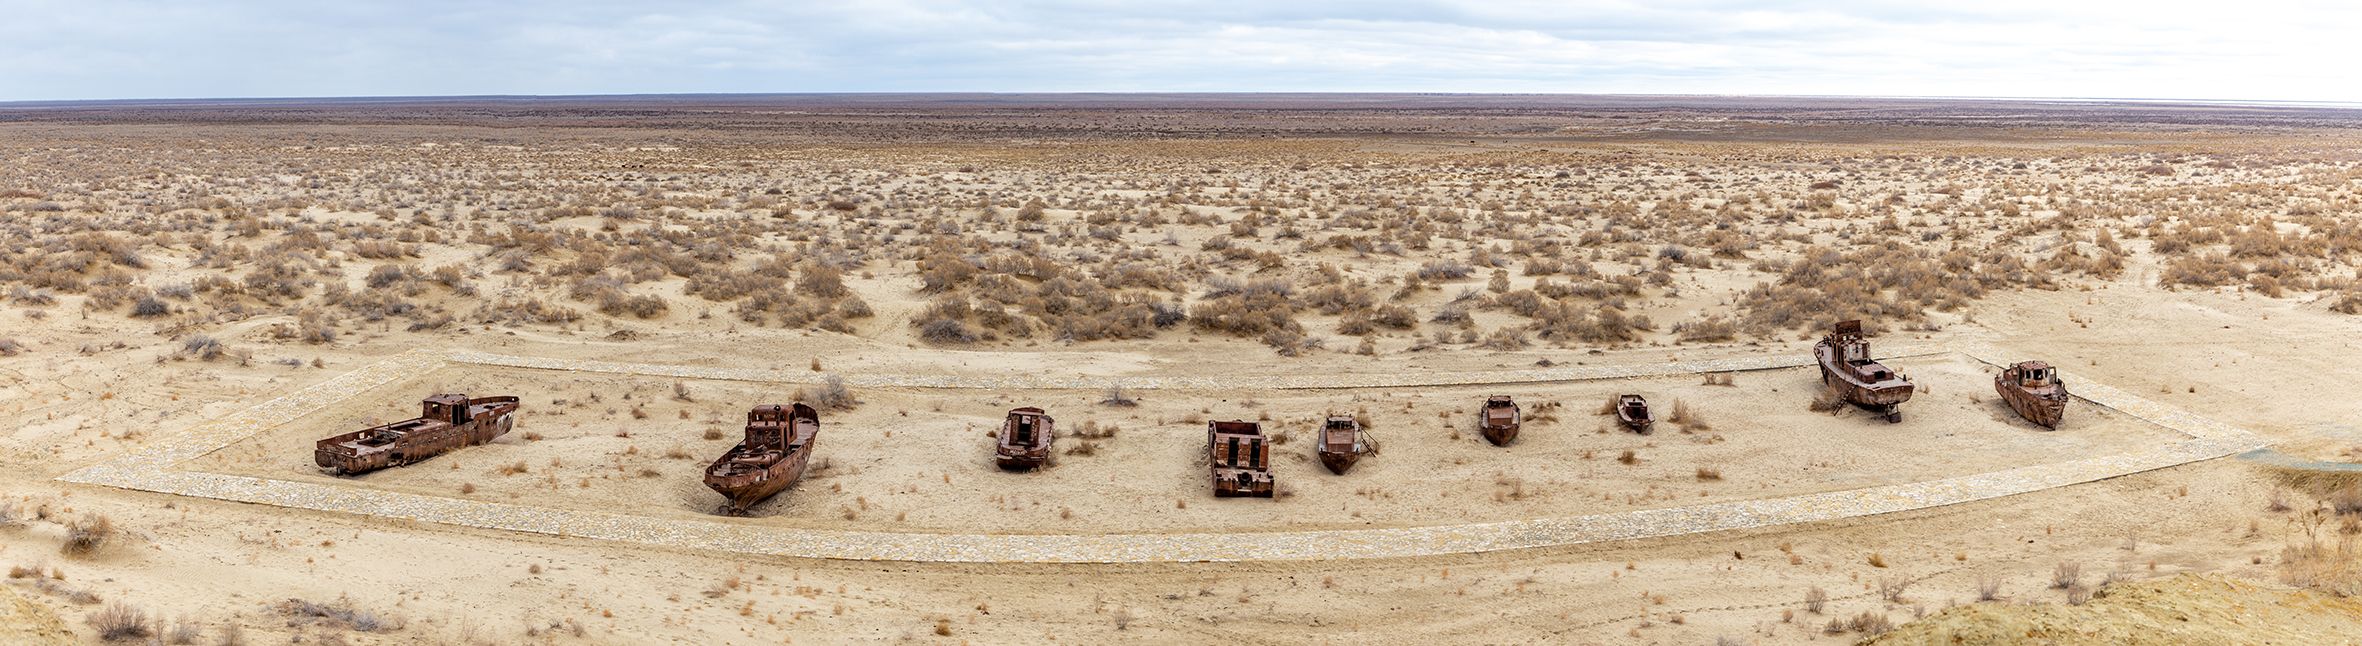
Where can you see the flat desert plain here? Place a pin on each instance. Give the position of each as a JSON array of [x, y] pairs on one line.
[[196, 291]]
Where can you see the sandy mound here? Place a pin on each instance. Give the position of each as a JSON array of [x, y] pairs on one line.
[[25, 622], [2184, 609]]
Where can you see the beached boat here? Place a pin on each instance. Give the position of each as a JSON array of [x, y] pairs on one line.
[[1846, 367], [445, 423], [1632, 412], [1499, 420], [2034, 390], [777, 447], [1241, 459], [1025, 438], [1341, 443]]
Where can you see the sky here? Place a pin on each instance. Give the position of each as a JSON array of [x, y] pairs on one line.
[[2259, 50]]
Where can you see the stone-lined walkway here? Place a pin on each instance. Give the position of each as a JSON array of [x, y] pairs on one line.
[[153, 469]]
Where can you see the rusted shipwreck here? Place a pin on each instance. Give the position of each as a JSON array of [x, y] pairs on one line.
[[1632, 413], [1846, 367], [1499, 420], [2034, 390], [777, 447], [1024, 441], [1241, 458], [1342, 443], [446, 422]]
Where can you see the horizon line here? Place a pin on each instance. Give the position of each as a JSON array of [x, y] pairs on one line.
[[16, 103]]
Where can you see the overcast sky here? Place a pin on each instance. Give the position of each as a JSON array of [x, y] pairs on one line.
[[2233, 50]]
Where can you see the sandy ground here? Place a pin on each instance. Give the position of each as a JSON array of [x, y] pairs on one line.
[[91, 382]]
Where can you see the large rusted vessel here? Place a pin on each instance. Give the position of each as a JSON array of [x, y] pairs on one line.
[[1632, 412], [777, 447], [1341, 443], [446, 422], [1846, 366], [1024, 441], [1241, 459], [1499, 420], [2034, 390]]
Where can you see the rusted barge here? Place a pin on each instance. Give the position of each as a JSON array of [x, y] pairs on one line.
[[446, 422], [1499, 420], [1342, 443], [1024, 441], [1241, 458], [2034, 390], [1847, 368], [777, 448], [1632, 412]]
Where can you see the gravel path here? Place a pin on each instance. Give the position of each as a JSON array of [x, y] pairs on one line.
[[153, 469]]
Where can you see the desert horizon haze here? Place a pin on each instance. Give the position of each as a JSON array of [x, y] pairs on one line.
[[912, 322]]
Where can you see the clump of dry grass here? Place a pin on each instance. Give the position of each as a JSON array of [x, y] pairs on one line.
[[122, 622], [340, 613], [85, 535], [2066, 575], [831, 394], [1686, 418]]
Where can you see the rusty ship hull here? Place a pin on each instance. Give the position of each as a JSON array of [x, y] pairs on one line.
[[1024, 441], [775, 453], [1499, 420], [446, 423], [2034, 390], [1241, 460], [1341, 444], [1632, 412], [1846, 367]]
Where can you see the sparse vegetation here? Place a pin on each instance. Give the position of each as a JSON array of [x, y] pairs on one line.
[[87, 534]]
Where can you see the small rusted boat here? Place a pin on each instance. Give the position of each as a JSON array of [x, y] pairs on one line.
[[1341, 443], [2034, 390], [1632, 412], [445, 423], [1241, 459], [1499, 420], [1025, 439], [1847, 367], [777, 447]]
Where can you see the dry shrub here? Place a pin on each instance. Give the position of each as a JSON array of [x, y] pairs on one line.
[[340, 613], [2333, 567], [202, 347], [1870, 622], [1507, 338], [1255, 308], [182, 631], [2066, 575], [831, 394], [122, 622], [1687, 419], [1600, 324], [87, 534], [1709, 329]]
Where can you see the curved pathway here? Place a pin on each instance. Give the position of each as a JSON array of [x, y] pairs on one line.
[[152, 469]]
